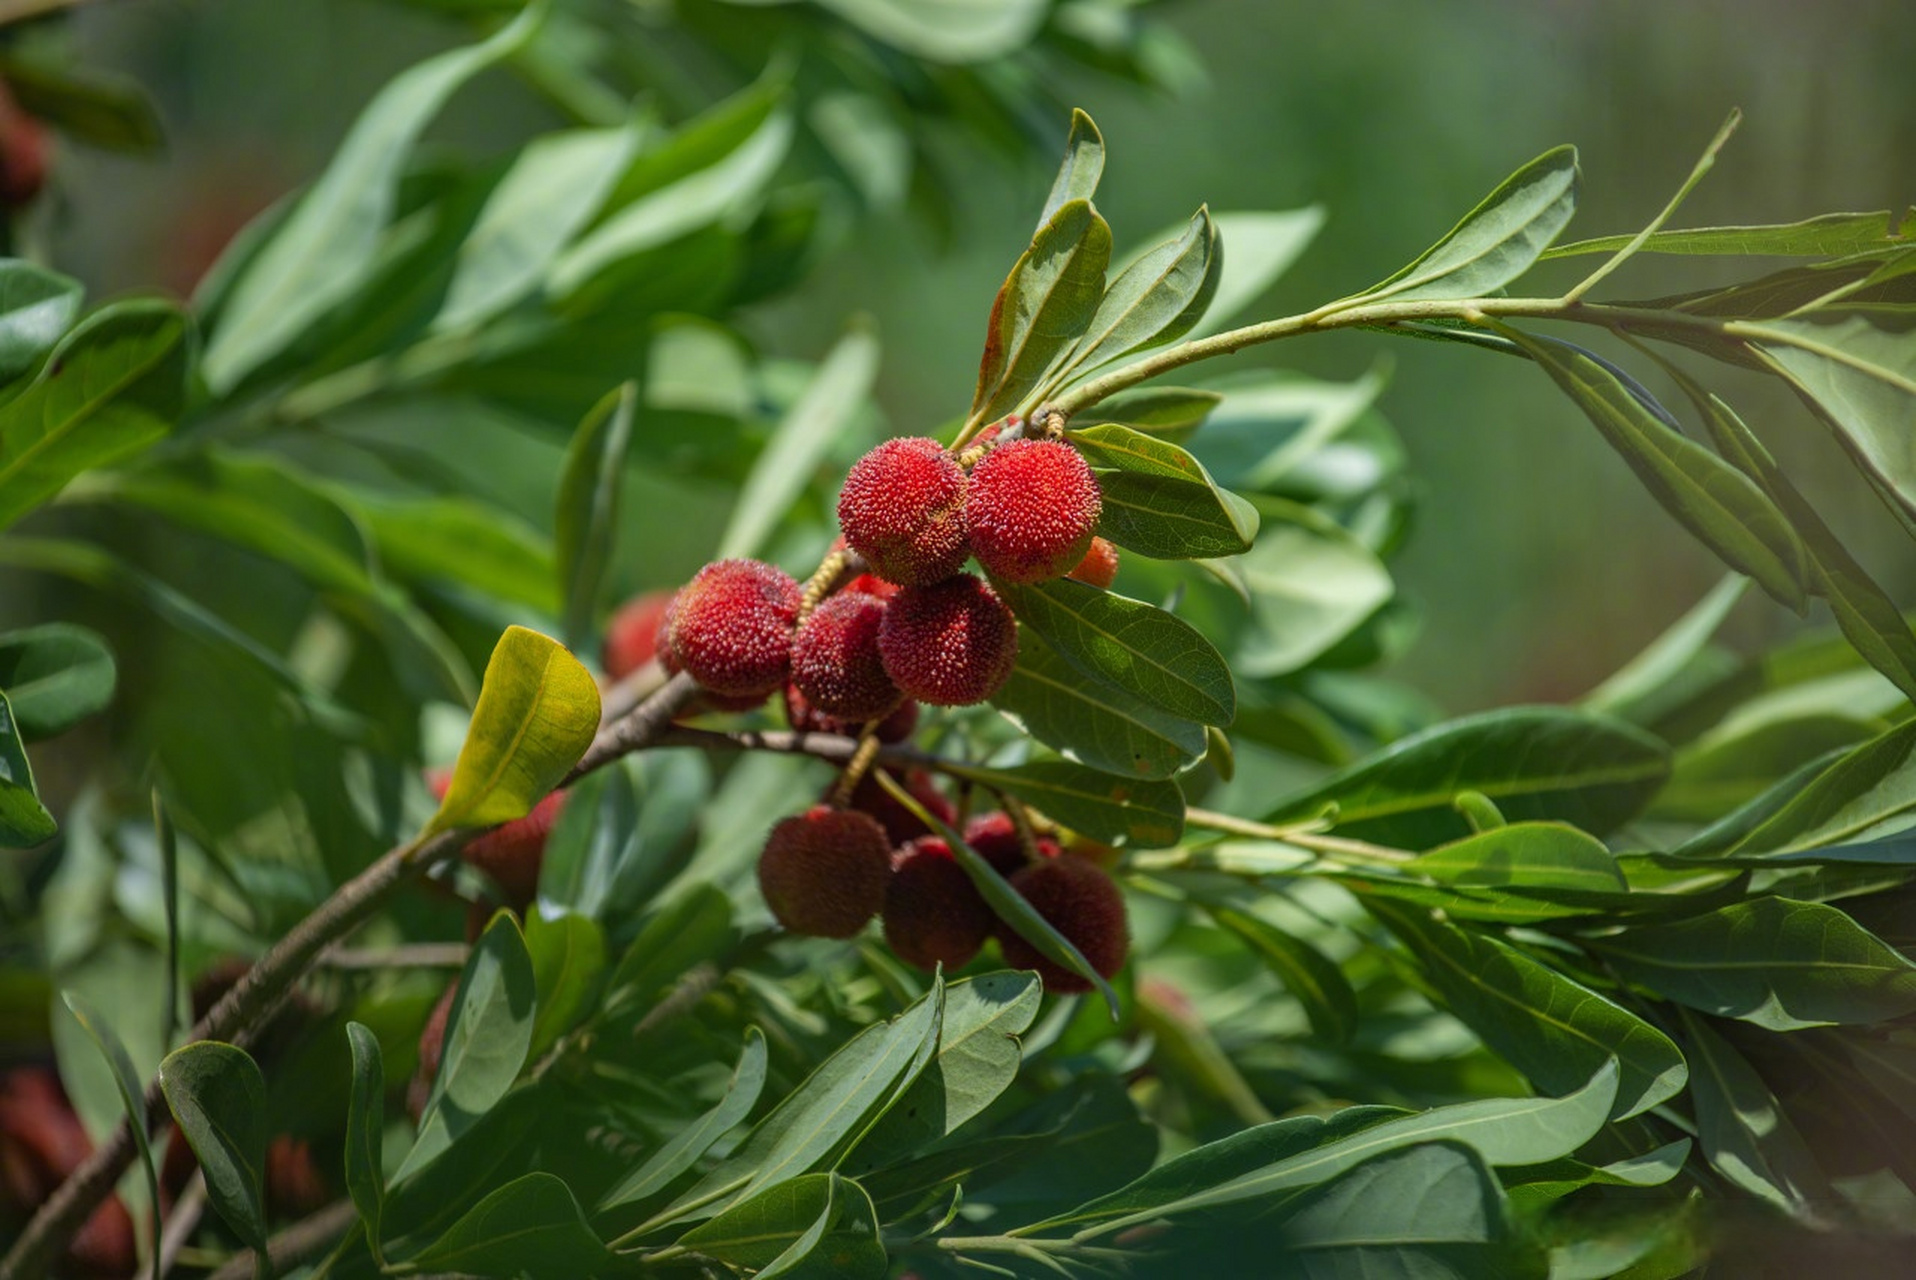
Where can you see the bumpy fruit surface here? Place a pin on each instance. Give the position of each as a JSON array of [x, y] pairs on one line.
[[1031, 510], [933, 913], [823, 872], [1081, 903], [950, 644], [903, 509], [900, 824], [835, 662], [1099, 568], [731, 627], [632, 636], [803, 717], [514, 852]]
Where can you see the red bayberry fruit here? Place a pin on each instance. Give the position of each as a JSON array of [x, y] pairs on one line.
[[835, 662], [950, 644], [1099, 568], [933, 913], [731, 626], [1031, 510], [632, 637], [294, 1185], [903, 509], [823, 872], [23, 153], [41, 1143], [900, 824], [995, 838], [803, 717], [514, 852], [1081, 903], [432, 1047]]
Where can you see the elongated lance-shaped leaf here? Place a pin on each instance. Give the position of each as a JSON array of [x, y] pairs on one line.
[[1743, 1130], [24, 821], [131, 1087], [834, 396], [1312, 978], [538, 711], [1497, 241], [218, 1096], [365, 1134], [586, 522], [1043, 308], [683, 1149], [1548, 1026], [327, 247], [55, 675], [1724, 508], [1159, 501], [530, 1226], [1153, 655], [568, 956], [1082, 167], [1094, 723], [1154, 300], [1781, 964], [1502, 1131], [1870, 790], [114, 385], [1169, 413], [1130, 811], [1827, 235], [1263, 246], [1525, 855], [36, 308]]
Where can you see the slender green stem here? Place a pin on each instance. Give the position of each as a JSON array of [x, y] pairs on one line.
[[1307, 835]]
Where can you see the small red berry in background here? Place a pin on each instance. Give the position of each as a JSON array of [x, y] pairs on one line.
[[824, 871], [1099, 568], [1083, 904], [513, 853], [632, 637]]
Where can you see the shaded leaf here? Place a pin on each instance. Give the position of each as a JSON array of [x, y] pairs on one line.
[[531, 1225], [1170, 413], [1524, 855], [688, 929], [37, 307], [784, 1230], [1154, 300], [365, 1134], [1824, 236], [1082, 167], [218, 1096], [1639, 681], [1158, 500], [959, 31], [54, 675], [1313, 979], [585, 524], [1262, 246], [128, 1083], [24, 821], [1868, 792], [1310, 583], [101, 110], [683, 1149], [1094, 723], [1743, 1131], [1136, 812], [460, 540], [568, 955]]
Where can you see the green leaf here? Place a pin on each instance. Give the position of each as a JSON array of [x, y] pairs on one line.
[[130, 1087], [1743, 1130], [1857, 370], [55, 675], [365, 1134], [1262, 245], [538, 711], [113, 386], [1549, 1027], [24, 821], [1125, 643], [37, 307], [1524, 855], [327, 248], [822, 1119], [530, 1226], [1827, 235], [1869, 792], [1313, 980], [1043, 308], [585, 525], [977, 1060], [683, 1149], [218, 1096], [104, 111], [462, 541], [1169, 413], [554, 187], [688, 929], [568, 955], [488, 1037], [784, 1230], [1541, 763], [1783, 965], [1095, 724], [1497, 241], [1159, 501], [1428, 1211], [1154, 300], [815, 422], [1135, 812], [1082, 167], [1655, 670], [1306, 1151], [1310, 584], [1721, 506], [1539, 1185]]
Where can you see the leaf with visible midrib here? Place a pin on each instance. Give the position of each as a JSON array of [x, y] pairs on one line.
[[365, 1134], [36, 307], [1159, 501], [693, 1140], [531, 1224], [1825, 236], [1139, 812], [55, 675], [1096, 724], [1043, 308], [587, 514], [219, 1098], [1078, 174], [1497, 241], [1154, 300]]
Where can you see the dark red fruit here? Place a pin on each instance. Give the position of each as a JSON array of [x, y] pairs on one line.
[[803, 717], [23, 153], [1083, 904], [903, 509], [41, 1143], [731, 627], [513, 853], [995, 838], [1099, 568], [933, 913], [432, 1047], [632, 636], [949, 644], [835, 662], [823, 872], [901, 825], [1031, 510], [294, 1185]]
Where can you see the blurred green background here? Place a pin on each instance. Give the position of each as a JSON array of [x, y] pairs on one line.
[[1538, 562]]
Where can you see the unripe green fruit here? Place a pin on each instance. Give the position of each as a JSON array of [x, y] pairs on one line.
[[933, 913], [1083, 904], [823, 872], [950, 644], [903, 509], [1031, 510]]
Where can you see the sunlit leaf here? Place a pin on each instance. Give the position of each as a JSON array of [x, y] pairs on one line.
[[1044, 306], [36, 309], [1094, 723]]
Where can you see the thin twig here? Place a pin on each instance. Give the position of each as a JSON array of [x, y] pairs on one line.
[[417, 955], [304, 1240], [181, 1223]]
